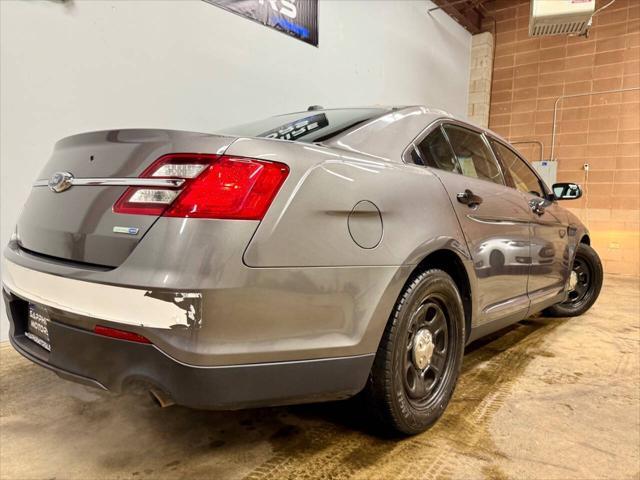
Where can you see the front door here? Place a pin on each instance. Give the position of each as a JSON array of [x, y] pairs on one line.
[[495, 220], [550, 255]]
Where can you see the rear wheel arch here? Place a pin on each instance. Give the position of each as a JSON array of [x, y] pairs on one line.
[[449, 262], [585, 239]]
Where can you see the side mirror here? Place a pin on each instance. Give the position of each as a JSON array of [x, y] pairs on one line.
[[566, 191]]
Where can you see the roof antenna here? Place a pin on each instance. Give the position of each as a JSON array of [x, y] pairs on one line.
[[315, 107]]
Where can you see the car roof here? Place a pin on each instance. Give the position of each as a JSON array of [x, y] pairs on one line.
[[388, 135], [317, 108]]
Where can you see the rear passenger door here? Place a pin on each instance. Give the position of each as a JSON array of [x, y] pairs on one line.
[[494, 218], [550, 254]]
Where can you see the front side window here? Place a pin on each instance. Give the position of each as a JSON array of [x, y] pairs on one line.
[[523, 178], [434, 151], [473, 154]]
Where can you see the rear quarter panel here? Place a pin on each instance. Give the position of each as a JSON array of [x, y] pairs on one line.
[[339, 209], [339, 295]]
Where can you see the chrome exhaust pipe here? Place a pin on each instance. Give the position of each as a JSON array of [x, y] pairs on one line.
[[162, 399]]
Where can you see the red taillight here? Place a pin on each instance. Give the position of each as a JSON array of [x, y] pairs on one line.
[[238, 188], [120, 334], [215, 187]]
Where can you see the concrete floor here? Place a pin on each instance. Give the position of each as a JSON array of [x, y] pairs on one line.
[[545, 399]]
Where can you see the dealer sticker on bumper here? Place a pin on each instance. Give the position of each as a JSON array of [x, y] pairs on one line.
[[38, 326]]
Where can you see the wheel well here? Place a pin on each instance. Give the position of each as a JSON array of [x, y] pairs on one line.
[[585, 239], [450, 263]]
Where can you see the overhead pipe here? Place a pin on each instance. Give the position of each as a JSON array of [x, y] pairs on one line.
[[536, 142], [562, 97]]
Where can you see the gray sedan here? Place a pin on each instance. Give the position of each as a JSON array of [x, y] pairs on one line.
[[306, 257]]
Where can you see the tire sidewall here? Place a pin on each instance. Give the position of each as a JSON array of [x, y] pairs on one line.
[[440, 285], [589, 255]]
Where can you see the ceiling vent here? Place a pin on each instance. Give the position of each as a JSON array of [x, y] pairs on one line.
[[560, 17]]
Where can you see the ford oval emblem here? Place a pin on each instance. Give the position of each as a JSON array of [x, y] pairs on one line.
[[60, 181]]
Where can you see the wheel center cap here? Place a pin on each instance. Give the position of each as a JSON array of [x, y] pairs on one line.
[[573, 280], [422, 349]]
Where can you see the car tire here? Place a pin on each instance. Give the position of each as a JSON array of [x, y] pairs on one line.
[[405, 396], [588, 274]]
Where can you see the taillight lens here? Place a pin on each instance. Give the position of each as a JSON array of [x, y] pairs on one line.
[[215, 187]]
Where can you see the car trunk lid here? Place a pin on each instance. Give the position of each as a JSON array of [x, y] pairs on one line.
[[78, 223]]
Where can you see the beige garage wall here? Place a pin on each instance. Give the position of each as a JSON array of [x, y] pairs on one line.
[[602, 130], [88, 65]]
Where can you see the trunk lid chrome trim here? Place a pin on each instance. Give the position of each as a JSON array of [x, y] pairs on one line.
[[120, 182]]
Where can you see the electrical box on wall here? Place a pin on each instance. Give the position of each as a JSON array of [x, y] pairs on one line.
[[558, 17], [548, 170]]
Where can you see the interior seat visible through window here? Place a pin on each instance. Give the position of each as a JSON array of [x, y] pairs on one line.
[[473, 154], [434, 151], [523, 178]]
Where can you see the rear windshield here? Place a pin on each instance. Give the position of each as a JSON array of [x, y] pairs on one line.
[[309, 127]]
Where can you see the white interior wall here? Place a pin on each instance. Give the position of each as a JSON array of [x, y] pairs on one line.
[[82, 65]]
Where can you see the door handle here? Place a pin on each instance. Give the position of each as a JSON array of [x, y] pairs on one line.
[[537, 206], [469, 199]]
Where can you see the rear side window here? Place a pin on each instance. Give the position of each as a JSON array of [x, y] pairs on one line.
[[473, 155], [523, 178], [434, 151]]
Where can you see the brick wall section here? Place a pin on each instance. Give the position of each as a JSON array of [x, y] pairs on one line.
[[603, 130], [480, 78]]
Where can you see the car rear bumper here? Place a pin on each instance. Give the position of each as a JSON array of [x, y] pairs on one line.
[[85, 357], [234, 315]]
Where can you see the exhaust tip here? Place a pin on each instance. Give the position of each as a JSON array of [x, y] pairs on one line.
[[161, 398]]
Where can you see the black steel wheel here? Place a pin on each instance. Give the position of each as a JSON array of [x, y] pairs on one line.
[[580, 281], [420, 355], [585, 282], [428, 352]]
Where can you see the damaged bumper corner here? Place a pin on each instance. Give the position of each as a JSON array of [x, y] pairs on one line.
[[128, 306]]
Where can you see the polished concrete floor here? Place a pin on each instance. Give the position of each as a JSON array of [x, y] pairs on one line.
[[548, 398]]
